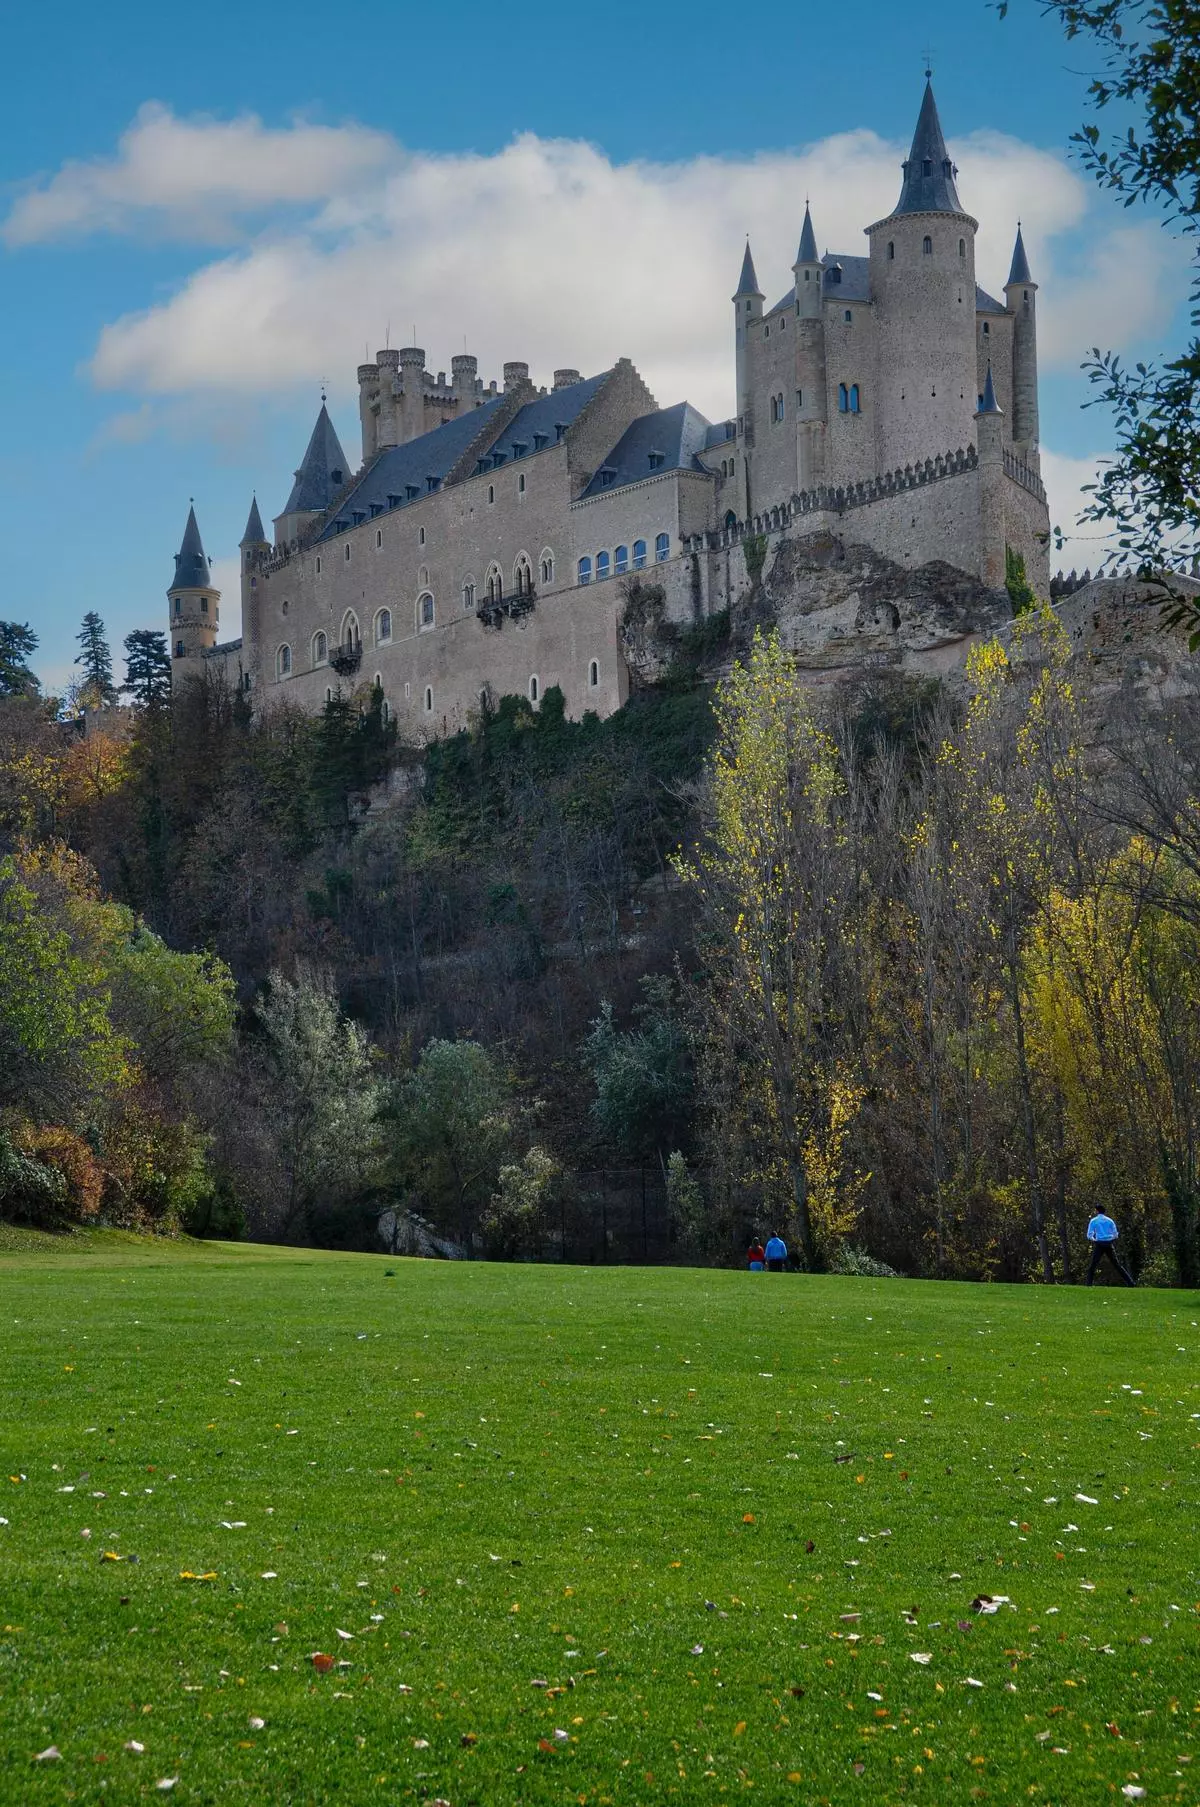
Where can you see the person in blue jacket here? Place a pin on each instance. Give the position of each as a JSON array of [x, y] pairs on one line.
[[1102, 1233], [776, 1253]]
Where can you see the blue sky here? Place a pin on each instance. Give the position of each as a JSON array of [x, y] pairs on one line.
[[209, 212]]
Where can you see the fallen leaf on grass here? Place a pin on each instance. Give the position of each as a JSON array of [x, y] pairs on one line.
[[256, 1724], [1085, 1499], [187, 1575], [321, 1663], [920, 1656], [347, 1636], [166, 1784], [989, 1603], [1132, 1792], [51, 1754]]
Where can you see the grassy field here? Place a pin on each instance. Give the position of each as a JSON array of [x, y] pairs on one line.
[[582, 1536]]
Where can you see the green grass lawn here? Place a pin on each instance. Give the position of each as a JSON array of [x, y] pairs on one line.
[[583, 1536]]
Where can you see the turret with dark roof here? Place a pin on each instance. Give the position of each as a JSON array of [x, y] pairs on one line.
[[748, 281], [1019, 274], [323, 470], [191, 566], [987, 401], [928, 172], [807, 254], [254, 535]]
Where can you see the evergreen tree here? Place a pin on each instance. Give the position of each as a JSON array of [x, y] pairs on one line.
[[147, 668], [97, 690], [18, 642]]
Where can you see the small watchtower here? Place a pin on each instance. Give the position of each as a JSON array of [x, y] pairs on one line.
[[193, 604]]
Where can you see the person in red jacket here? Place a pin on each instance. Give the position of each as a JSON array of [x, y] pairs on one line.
[[756, 1255]]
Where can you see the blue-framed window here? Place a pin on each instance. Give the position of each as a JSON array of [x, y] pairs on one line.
[[585, 571], [639, 555], [662, 547]]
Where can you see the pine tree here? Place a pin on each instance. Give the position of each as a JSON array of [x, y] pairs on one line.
[[147, 668], [97, 690], [18, 642]]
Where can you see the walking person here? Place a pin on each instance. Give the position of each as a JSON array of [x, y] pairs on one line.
[[776, 1252], [1102, 1233], [757, 1257]]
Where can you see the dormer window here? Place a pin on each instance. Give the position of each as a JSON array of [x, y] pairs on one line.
[[393, 500], [519, 448], [560, 427], [608, 477], [539, 440], [657, 459], [337, 478], [432, 484], [497, 460], [927, 167], [411, 492]]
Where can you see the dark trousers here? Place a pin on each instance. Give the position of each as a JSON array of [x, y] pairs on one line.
[[775, 1265], [1099, 1251]]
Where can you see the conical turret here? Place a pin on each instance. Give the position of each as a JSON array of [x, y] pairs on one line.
[[323, 470], [191, 566], [807, 271], [1020, 297], [254, 535], [928, 171], [191, 598], [748, 281], [1019, 273]]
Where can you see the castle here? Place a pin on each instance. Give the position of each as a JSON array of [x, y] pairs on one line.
[[486, 542]]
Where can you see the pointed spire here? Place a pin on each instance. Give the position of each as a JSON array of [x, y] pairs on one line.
[[323, 470], [987, 401], [191, 567], [1020, 262], [807, 254], [748, 283], [254, 535], [928, 172]]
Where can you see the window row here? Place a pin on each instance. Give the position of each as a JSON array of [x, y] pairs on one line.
[[203, 607], [617, 563], [283, 668]]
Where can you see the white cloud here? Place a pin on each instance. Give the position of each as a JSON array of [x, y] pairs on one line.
[[1085, 543], [546, 250], [197, 177]]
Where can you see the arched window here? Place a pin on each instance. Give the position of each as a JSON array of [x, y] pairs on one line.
[[843, 399], [547, 566], [385, 712], [927, 246], [428, 700], [962, 247], [854, 407], [320, 648], [639, 555], [585, 570], [621, 560], [377, 681], [772, 410], [425, 609], [593, 674], [662, 547], [603, 565], [423, 577], [378, 538], [283, 661], [179, 605], [351, 632], [179, 649], [491, 493], [495, 584], [346, 552], [521, 486], [383, 626], [523, 576], [318, 567], [848, 316], [779, 407], [891, 251], [534, 690], [469, 596], [987, 331]]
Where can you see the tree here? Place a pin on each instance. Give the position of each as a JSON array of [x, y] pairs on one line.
[[1150, 51], [315, 1102], [642, 1076], [97, 690], [451, 1128], [147, 668], [18, 643], [773, 893]]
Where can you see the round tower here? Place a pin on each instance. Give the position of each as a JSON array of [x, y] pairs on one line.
[[410, 420], [807, 272], [193, 605], [811, 380], [1020, 295], [923, 290], [255, 550], [387, 428], [747, 309]]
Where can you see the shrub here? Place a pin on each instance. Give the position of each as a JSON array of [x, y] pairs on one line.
[[858, 1264], [49, 1177]]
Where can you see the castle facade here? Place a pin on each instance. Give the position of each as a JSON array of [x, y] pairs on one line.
[[485, 544]]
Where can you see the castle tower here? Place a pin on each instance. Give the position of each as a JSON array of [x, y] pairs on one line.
[[989, 427], [323, 472], [747, 306], [811, 390], [1020, 295], [387, 425], [464, 369], [807, 271], [923, 289], [192, 603], [411, 403], [255, 550]]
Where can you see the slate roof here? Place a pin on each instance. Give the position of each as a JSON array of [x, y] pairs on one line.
[[410, 468], [191, 566], [1020, 262], [720, 433], [807, 254], [987, 401], [324, 470], [678, 434], [542, 417], [254, 535], [928, 172], [987, 304], [748, 281]]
